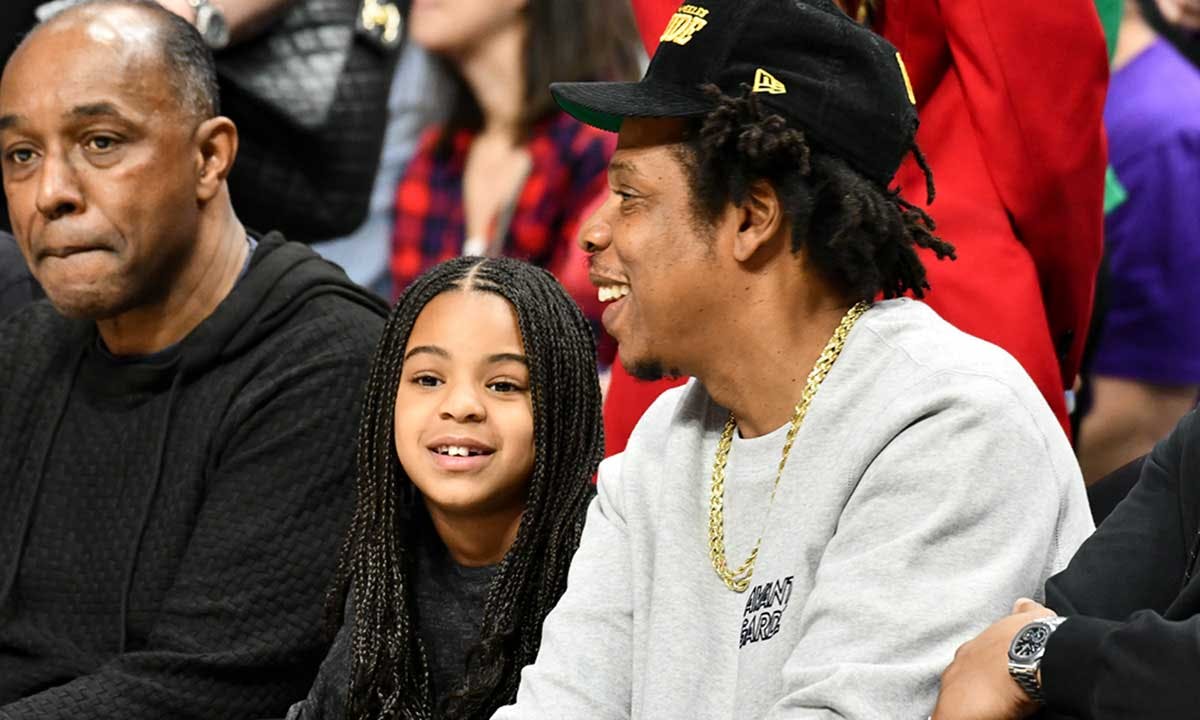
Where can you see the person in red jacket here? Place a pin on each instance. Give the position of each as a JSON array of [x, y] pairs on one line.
[[1011, 99]]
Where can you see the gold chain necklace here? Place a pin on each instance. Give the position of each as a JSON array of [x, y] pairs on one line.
[[738, 580]]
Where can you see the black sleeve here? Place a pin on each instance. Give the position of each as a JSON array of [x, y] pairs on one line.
[[239, 634], [1117, 656]]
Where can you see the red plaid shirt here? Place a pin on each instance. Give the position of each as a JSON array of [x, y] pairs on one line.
[[567, 171]]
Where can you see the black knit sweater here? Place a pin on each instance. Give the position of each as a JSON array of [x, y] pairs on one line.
[[168, 526]]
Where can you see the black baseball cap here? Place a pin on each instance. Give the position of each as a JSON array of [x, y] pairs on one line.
[[840, 83]]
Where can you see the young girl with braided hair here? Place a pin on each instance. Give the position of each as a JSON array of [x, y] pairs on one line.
[[480, 434]]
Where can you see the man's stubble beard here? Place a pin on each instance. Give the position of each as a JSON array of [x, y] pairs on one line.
[[651, 370]]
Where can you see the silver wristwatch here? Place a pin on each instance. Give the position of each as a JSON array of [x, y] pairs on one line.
[[1025, 655], [211, 23]]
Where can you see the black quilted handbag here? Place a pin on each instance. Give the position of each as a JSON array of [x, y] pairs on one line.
[[309, 97]]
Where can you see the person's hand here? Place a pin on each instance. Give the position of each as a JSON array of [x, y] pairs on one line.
[[977, 685], [1184, 14]]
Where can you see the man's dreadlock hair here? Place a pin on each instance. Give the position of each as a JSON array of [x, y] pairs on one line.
[[860, 235], [389, 675]]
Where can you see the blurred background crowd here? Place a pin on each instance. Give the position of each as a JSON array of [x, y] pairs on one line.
[[393, 135]]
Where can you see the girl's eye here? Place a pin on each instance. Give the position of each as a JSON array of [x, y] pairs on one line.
[[505, 386], [427, 381]]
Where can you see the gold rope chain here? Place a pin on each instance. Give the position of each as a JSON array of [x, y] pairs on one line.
[[739, 580]]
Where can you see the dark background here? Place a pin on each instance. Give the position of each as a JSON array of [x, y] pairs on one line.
[[16, 18]]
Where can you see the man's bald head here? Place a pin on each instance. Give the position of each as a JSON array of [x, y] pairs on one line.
[[114, 161], [183, 53]]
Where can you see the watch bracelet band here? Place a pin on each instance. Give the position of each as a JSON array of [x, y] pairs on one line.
[[1029, 676]]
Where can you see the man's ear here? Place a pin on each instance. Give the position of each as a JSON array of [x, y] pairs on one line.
[[217, 145], [760, 217]]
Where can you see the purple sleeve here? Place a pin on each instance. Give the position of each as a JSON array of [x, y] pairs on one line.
[[1151, 331]]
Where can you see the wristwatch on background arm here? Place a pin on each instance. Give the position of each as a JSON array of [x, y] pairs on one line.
[[211, 23], [1025, 655]]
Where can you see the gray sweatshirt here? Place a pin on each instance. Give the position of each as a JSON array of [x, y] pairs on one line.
[[929, 487]]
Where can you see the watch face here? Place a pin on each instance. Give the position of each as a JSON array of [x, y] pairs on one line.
[[1028, 643]]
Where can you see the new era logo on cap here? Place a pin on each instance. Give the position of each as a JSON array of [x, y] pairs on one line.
[[765, 82]]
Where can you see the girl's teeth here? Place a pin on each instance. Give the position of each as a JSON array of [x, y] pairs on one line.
[[454, 451]]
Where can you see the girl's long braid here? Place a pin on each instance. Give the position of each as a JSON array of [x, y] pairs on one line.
[[389, 672]]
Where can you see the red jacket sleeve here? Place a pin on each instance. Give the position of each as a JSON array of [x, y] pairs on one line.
[[1035, 75]]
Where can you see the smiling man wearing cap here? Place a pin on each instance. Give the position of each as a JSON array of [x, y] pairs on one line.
[[810, 527]]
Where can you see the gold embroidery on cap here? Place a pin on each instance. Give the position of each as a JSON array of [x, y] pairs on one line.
[[766, 82], [686, 22], [907, 83]]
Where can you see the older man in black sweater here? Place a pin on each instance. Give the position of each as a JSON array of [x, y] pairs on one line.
[[177, 421]]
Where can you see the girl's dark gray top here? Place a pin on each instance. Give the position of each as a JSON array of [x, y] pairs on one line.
[[449, 611]]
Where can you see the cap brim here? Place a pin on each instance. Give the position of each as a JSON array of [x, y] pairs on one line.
[[605, 104]]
